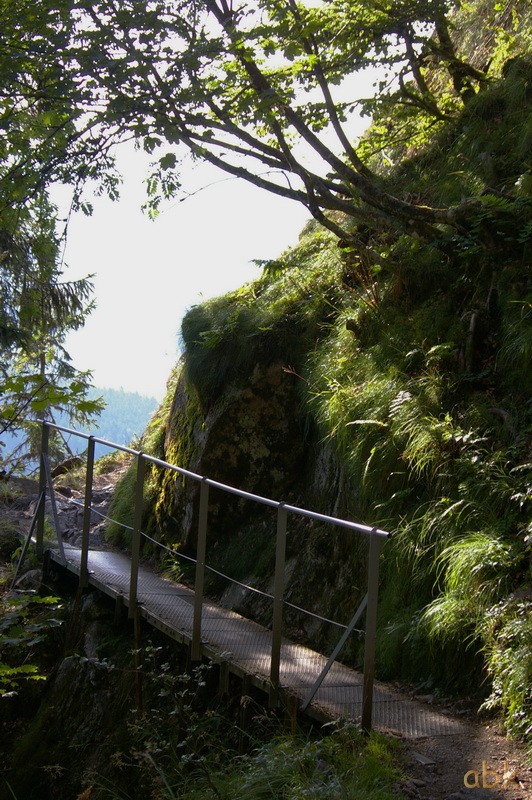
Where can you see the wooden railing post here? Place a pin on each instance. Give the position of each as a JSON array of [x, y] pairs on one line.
[[371, 631], [200, 571], [135, 536], [39, 533], [83, 565], [278, 597]]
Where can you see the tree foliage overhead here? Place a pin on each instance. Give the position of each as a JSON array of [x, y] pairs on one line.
[[38, 309], [265, 90], [44, 135], [40, 142], [250, 88]]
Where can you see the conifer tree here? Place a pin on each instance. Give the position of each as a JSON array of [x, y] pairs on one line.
[[37, 378]]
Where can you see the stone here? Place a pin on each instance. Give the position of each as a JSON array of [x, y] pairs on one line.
[[425, 760], [30, 580]]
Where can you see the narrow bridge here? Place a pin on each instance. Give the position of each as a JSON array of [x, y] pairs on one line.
[[291, 674]]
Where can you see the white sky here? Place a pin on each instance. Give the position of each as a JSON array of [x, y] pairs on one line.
[[148, 273]]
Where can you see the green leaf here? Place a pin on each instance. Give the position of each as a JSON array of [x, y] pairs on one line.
[[168, 161]]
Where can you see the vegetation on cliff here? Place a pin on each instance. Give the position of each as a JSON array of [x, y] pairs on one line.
[[38, 309], [405, 364]]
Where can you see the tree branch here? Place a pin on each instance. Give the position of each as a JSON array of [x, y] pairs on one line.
[[460, 71], [311, 48], [425, 99]]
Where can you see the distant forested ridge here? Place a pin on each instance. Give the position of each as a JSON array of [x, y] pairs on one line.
[[124, 417], [125, 414]]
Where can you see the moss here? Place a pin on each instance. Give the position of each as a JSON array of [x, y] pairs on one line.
[[122, 510], [9, 539], [276, 318]]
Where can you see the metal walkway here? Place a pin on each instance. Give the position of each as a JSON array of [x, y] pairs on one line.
[[245, 647]]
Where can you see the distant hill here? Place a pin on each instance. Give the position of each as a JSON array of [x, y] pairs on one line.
[[125, 417]]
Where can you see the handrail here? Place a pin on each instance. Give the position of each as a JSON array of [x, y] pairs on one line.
[[177, 554], [304, 512], [374, 534]]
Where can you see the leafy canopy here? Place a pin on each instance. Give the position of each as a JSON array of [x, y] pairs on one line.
[[43, 139], [265, 90]]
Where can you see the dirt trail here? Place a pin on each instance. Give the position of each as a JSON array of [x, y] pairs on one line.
[[480, 763]]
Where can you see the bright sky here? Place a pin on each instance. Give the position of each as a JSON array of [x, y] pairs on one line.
[[148, 273]]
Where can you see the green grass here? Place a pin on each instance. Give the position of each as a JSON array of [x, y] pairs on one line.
[[343, 766]]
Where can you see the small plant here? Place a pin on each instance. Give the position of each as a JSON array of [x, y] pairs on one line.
[[171, 567], [111, 461], [25, 619], [9, 539], [342, 766], [508, 636]]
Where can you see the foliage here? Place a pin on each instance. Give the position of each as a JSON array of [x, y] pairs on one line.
[[182, 746], [38, 310], [275, 318], [507, 630], [343, 765], [122, 509], [436, 443], [9, 538], [25, 618], [110, 462], [252, 91], [37, 127], [45, 136]]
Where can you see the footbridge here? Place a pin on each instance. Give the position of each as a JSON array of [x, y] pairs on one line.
[[295, 676]]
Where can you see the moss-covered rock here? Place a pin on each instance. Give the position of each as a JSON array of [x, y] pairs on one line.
[[251, 438]]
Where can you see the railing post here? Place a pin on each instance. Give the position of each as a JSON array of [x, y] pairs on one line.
[[278, 597], [200, 570], [332, 658], [371, 631], [135, 537], [39, 534], [83, 566]]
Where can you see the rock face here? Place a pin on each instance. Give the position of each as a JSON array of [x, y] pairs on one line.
[[251, 439], [257, 437]]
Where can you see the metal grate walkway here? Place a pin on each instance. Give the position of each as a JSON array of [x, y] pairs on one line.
[[246, 647]]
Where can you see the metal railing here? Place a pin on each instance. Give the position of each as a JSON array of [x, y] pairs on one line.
[[375, 536]]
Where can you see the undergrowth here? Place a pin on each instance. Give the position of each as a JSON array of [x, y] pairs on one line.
[[25, 621], [185, 745]]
